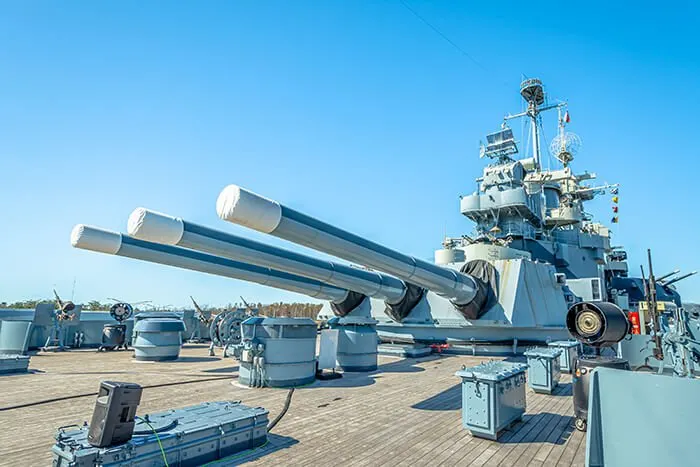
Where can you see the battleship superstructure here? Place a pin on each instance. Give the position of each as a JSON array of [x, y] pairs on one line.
[[535, 251]]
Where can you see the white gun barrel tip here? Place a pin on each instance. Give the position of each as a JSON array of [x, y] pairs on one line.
[[154, 226], [243, 207]]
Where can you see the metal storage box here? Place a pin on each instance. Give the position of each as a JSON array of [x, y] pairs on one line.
[[543, 373], [493, 397], [568, 355], [191, 436], [14, 363]]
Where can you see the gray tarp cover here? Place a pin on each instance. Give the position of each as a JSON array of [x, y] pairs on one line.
[[351, 302], [400, 310], [486, 278]]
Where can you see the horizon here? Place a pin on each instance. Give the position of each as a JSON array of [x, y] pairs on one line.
[[360, 115]]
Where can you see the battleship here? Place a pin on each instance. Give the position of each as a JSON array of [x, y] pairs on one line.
[[536, 271], [535, 251]]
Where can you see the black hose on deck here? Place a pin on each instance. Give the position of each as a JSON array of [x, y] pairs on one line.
[[287, 402], [88, 394]]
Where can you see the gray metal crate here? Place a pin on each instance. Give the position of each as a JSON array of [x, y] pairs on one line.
[[14, 363], [543, 373], [570, 351], [493, 397], [190, 436]]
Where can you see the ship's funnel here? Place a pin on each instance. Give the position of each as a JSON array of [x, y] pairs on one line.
[[153, 226], [114, 243], [240, 206]]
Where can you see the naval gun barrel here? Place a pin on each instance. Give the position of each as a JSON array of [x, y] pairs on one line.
[[240, 206], [668, 275], [114, 243], [679, 278], [153, 226]]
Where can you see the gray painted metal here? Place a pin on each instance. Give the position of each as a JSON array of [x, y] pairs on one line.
[[357, 343], [13, 363], [625, 407], [14, 337], [149, 315], [190, 436], [570, 351], [278, 352], [543, 369], [158, 339], [105, 241], [113, 335], [493, 397], [197, 237], [243, 207], [405, 350], [531, 308]]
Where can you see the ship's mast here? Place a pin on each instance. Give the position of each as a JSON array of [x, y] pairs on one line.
[[533, 93]]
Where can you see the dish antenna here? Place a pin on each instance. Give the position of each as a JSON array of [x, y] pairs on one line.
[[565, 145]]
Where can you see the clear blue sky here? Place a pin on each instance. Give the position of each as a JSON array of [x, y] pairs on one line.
[[354, 112]]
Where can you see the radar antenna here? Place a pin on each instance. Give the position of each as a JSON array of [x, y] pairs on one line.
[[533, 93], [566, 144]]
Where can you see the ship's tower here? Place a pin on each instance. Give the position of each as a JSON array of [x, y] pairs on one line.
[[533, 93]]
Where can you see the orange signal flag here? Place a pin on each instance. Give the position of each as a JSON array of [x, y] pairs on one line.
[[615, 199]]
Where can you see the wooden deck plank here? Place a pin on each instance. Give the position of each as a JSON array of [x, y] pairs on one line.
[[407, 414], [533, 415], [482, 450]]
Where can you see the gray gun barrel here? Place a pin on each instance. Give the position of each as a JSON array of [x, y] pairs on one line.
[[240, 206], [114, 243], [153, 226], [668, 276], [679, 278]]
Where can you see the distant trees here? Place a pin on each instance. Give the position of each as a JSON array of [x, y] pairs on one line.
[[296, 310], [31, 304], [96, 305], [278, 309]]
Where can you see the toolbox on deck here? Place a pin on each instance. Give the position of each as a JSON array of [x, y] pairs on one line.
[[493, 397]]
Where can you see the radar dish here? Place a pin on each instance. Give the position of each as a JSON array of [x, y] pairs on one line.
[[565, 146]]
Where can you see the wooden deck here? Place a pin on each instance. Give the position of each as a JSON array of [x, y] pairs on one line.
[[406, 414]]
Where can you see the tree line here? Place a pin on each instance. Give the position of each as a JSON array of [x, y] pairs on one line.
[[297, 310]]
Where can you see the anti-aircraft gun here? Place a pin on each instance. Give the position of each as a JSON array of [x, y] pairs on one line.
[[674, 341], [62, 315], [202, 318], [669, 335]]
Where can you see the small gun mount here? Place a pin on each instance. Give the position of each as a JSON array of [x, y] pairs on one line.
[[61, 315], [203, 319], [650, 298]]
